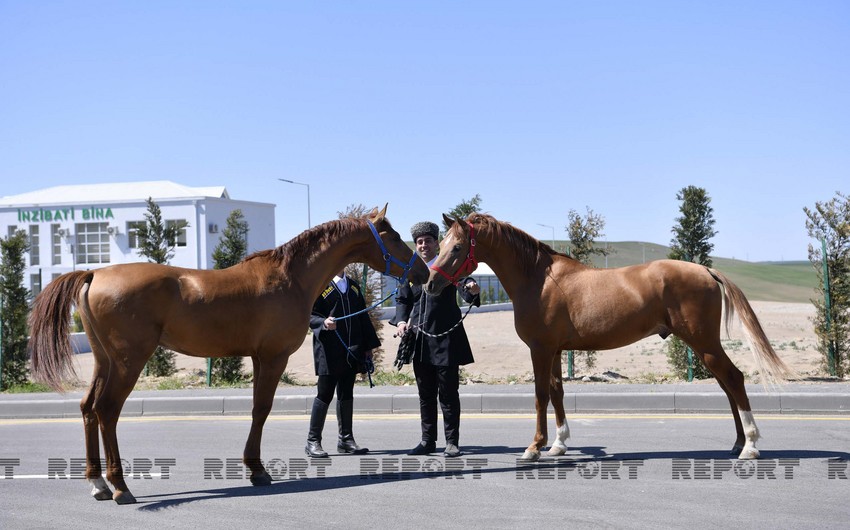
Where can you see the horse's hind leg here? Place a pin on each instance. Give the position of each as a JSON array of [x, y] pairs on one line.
[[739, 426], [107, 405], [94, 474], [266, 377], [732, 382], [556, 395]]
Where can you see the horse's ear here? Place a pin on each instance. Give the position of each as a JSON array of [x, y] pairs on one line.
[[383, 213], [376, 216], [447, 220]]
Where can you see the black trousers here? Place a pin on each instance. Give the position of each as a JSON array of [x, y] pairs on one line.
[[440, 382], [341, 382]]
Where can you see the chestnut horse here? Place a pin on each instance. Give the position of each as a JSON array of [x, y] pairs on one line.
[[258, 308], [561, 304]]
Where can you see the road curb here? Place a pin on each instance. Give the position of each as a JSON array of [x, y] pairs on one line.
[[486, 403]]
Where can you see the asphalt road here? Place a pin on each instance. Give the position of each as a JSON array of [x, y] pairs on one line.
[[625, 471]]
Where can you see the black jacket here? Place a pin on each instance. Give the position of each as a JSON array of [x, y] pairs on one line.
[[435, 314], [330, 356]]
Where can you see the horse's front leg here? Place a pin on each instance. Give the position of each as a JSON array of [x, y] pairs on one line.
[[556, 394], [266, 377], [542, 367]]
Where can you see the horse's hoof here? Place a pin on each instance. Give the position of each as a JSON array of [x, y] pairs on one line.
[[100, 490], [749, 453], [263, 479], [736, 449], [124, 497], [101, 495], [530, 456], [557, 450]]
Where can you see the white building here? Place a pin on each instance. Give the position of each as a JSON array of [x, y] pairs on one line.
[[91, 226]]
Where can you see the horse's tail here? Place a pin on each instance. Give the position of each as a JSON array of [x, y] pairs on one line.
[[771, 367], [50, 345]]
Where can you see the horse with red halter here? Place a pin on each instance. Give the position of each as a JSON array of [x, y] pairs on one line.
[[561, 304], [258, 308]]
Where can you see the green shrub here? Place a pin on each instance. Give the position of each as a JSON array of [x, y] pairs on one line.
[[677, 358]]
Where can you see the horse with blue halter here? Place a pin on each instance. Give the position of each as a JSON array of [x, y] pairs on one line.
[[258, 308], [561, 304]]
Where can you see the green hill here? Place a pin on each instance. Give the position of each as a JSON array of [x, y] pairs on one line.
[[786, 281]]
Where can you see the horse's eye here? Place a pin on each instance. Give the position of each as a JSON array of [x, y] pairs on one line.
[[456, 248]]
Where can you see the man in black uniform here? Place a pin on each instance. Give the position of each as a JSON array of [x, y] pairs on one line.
[[436, 360], [340, 350]]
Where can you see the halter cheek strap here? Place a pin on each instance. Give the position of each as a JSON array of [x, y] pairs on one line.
[[468, 265], [389, 259]]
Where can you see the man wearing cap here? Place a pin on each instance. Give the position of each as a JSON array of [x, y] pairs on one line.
[[436, 360]]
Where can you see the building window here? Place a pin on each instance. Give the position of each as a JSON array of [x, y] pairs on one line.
[[92, 243], [35, 284], [34, 249], [11, 230], [55, 245], [133, 232], [181, 224]]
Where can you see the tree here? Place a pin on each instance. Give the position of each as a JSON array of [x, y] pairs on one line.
[[371, 283], [233, 246], [694, 228], [156, 240], [231, 249], [829, 224], [156, 243], [15, 310], [690, 243], [463, 209], [582, 232]]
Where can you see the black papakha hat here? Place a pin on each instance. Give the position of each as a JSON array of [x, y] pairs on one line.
[[425, 228]]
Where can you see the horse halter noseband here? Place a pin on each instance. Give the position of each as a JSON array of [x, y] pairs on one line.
[[468, 265], [389, 259]]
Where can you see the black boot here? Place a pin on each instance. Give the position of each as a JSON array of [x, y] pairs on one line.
[[428, 417], [317, 424], [346, 444], [451, 424]]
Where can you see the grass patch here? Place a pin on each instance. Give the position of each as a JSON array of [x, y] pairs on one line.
[[391, 378], [27, 388], [289, 379], [170, 383]]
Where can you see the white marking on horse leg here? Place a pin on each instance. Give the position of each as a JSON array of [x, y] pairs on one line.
[[530, 456], [100, 489], [751, 434], [559, 447]]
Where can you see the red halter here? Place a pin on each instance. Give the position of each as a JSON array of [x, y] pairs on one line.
[[468, 265]]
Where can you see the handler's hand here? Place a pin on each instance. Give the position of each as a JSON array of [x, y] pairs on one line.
[[472, 286], [330, 323], [402, 329]]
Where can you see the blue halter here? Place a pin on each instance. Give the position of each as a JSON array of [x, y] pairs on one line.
[[389, 259]]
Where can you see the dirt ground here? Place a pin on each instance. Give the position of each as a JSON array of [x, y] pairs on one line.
[[501, 357]]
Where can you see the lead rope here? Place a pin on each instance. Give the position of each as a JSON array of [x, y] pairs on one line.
[[443, 334], [370, 366]]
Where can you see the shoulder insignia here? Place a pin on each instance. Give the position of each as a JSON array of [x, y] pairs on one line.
[[327, 291]]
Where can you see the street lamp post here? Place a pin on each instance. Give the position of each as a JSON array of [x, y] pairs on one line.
[[309, 223], [553, 233]]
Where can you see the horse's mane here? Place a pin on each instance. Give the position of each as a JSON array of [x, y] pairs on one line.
[[529, 250], [307, 242]]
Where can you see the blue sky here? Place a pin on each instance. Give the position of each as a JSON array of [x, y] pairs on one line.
[[539, 107]]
